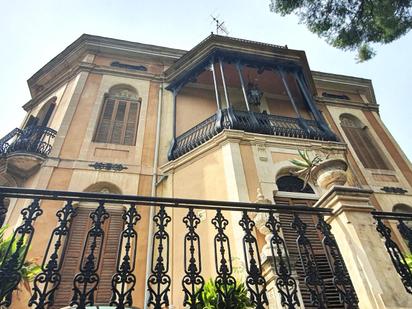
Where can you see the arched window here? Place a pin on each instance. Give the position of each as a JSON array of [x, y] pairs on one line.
[[405, 209], [362, 142], [119, 117], [293, 184], [402, 208], [43, 116], [81, 224]]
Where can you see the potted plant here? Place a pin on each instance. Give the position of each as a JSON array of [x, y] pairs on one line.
[[325, 171], [209, 297], [29, 269], [408, 259]]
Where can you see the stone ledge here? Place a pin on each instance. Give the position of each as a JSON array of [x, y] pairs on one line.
[[344, 198]]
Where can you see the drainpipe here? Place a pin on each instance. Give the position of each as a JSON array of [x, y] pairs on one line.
[[153, 193]]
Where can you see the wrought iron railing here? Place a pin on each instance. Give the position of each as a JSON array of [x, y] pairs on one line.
[[35, 139], [403, 222], [87, 280], [196, 136], [250, 122]]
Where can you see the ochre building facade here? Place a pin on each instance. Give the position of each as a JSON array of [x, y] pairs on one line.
[[219, 122]]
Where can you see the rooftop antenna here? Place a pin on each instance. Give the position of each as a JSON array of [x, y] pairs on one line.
[[220, 26]]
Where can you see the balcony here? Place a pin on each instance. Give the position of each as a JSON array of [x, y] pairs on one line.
[[262, 123], [25, 149], [260, 89], [304, 266], [298, 240]]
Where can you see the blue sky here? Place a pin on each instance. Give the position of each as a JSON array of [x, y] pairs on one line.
[[33, 32]]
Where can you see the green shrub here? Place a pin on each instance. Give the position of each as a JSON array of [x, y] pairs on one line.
[[211, 299], [29, 269], [408, 259]]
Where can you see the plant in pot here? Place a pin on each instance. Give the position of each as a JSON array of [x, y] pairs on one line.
[[28, 271], [408, 259], [325, 171], [210, 298]]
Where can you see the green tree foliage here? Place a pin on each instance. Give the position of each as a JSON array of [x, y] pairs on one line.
[[351, 24]]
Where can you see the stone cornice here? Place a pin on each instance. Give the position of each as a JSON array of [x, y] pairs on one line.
[[98, 45], [91, 68], [345, 80], [242, 137], [215, 43], [345, 198], [346, 103]]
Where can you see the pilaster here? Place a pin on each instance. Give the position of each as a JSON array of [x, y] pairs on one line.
[[376, 281]]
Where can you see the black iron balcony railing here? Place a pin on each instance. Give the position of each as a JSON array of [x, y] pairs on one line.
[[33, 140], [262, 123], [303, 224], [403, 222]]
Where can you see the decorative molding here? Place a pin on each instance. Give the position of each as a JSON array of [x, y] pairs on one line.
[[396, 190], [128, 66], [108, 166], [246, 137], [335, 96]]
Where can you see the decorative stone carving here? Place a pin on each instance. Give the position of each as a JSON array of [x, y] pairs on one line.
[[108, 166], [396, 190], [260, 220]]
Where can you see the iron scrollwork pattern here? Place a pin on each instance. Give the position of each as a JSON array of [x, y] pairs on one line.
[[159, 281], [341, 278], [16, 253], [285, 283], [406, 233], [86, 281], [249, 122], [192, 282], [48, 280], [225, 282], [307, 258], [3, 210], [124, 281], [398, 259], [255, 282]]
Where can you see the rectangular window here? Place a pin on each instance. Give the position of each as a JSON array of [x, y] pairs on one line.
[[118, 122]]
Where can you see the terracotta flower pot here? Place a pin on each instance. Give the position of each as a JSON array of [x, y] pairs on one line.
[[331, 172]]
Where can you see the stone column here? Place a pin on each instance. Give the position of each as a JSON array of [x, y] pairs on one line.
[[373, 275]]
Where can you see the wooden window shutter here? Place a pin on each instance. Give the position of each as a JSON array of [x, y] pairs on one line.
[[315, 238], [78, 231], [118, 122], [363, 144], [131, 124], [105, 123], [113, 230]]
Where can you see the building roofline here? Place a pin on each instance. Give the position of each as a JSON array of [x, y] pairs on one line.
[[214, 43], [341, 77], [348, 80], [179, 59], [87, 42]]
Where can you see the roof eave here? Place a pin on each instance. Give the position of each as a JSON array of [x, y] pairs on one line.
[[213, 44], [91, 43]]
